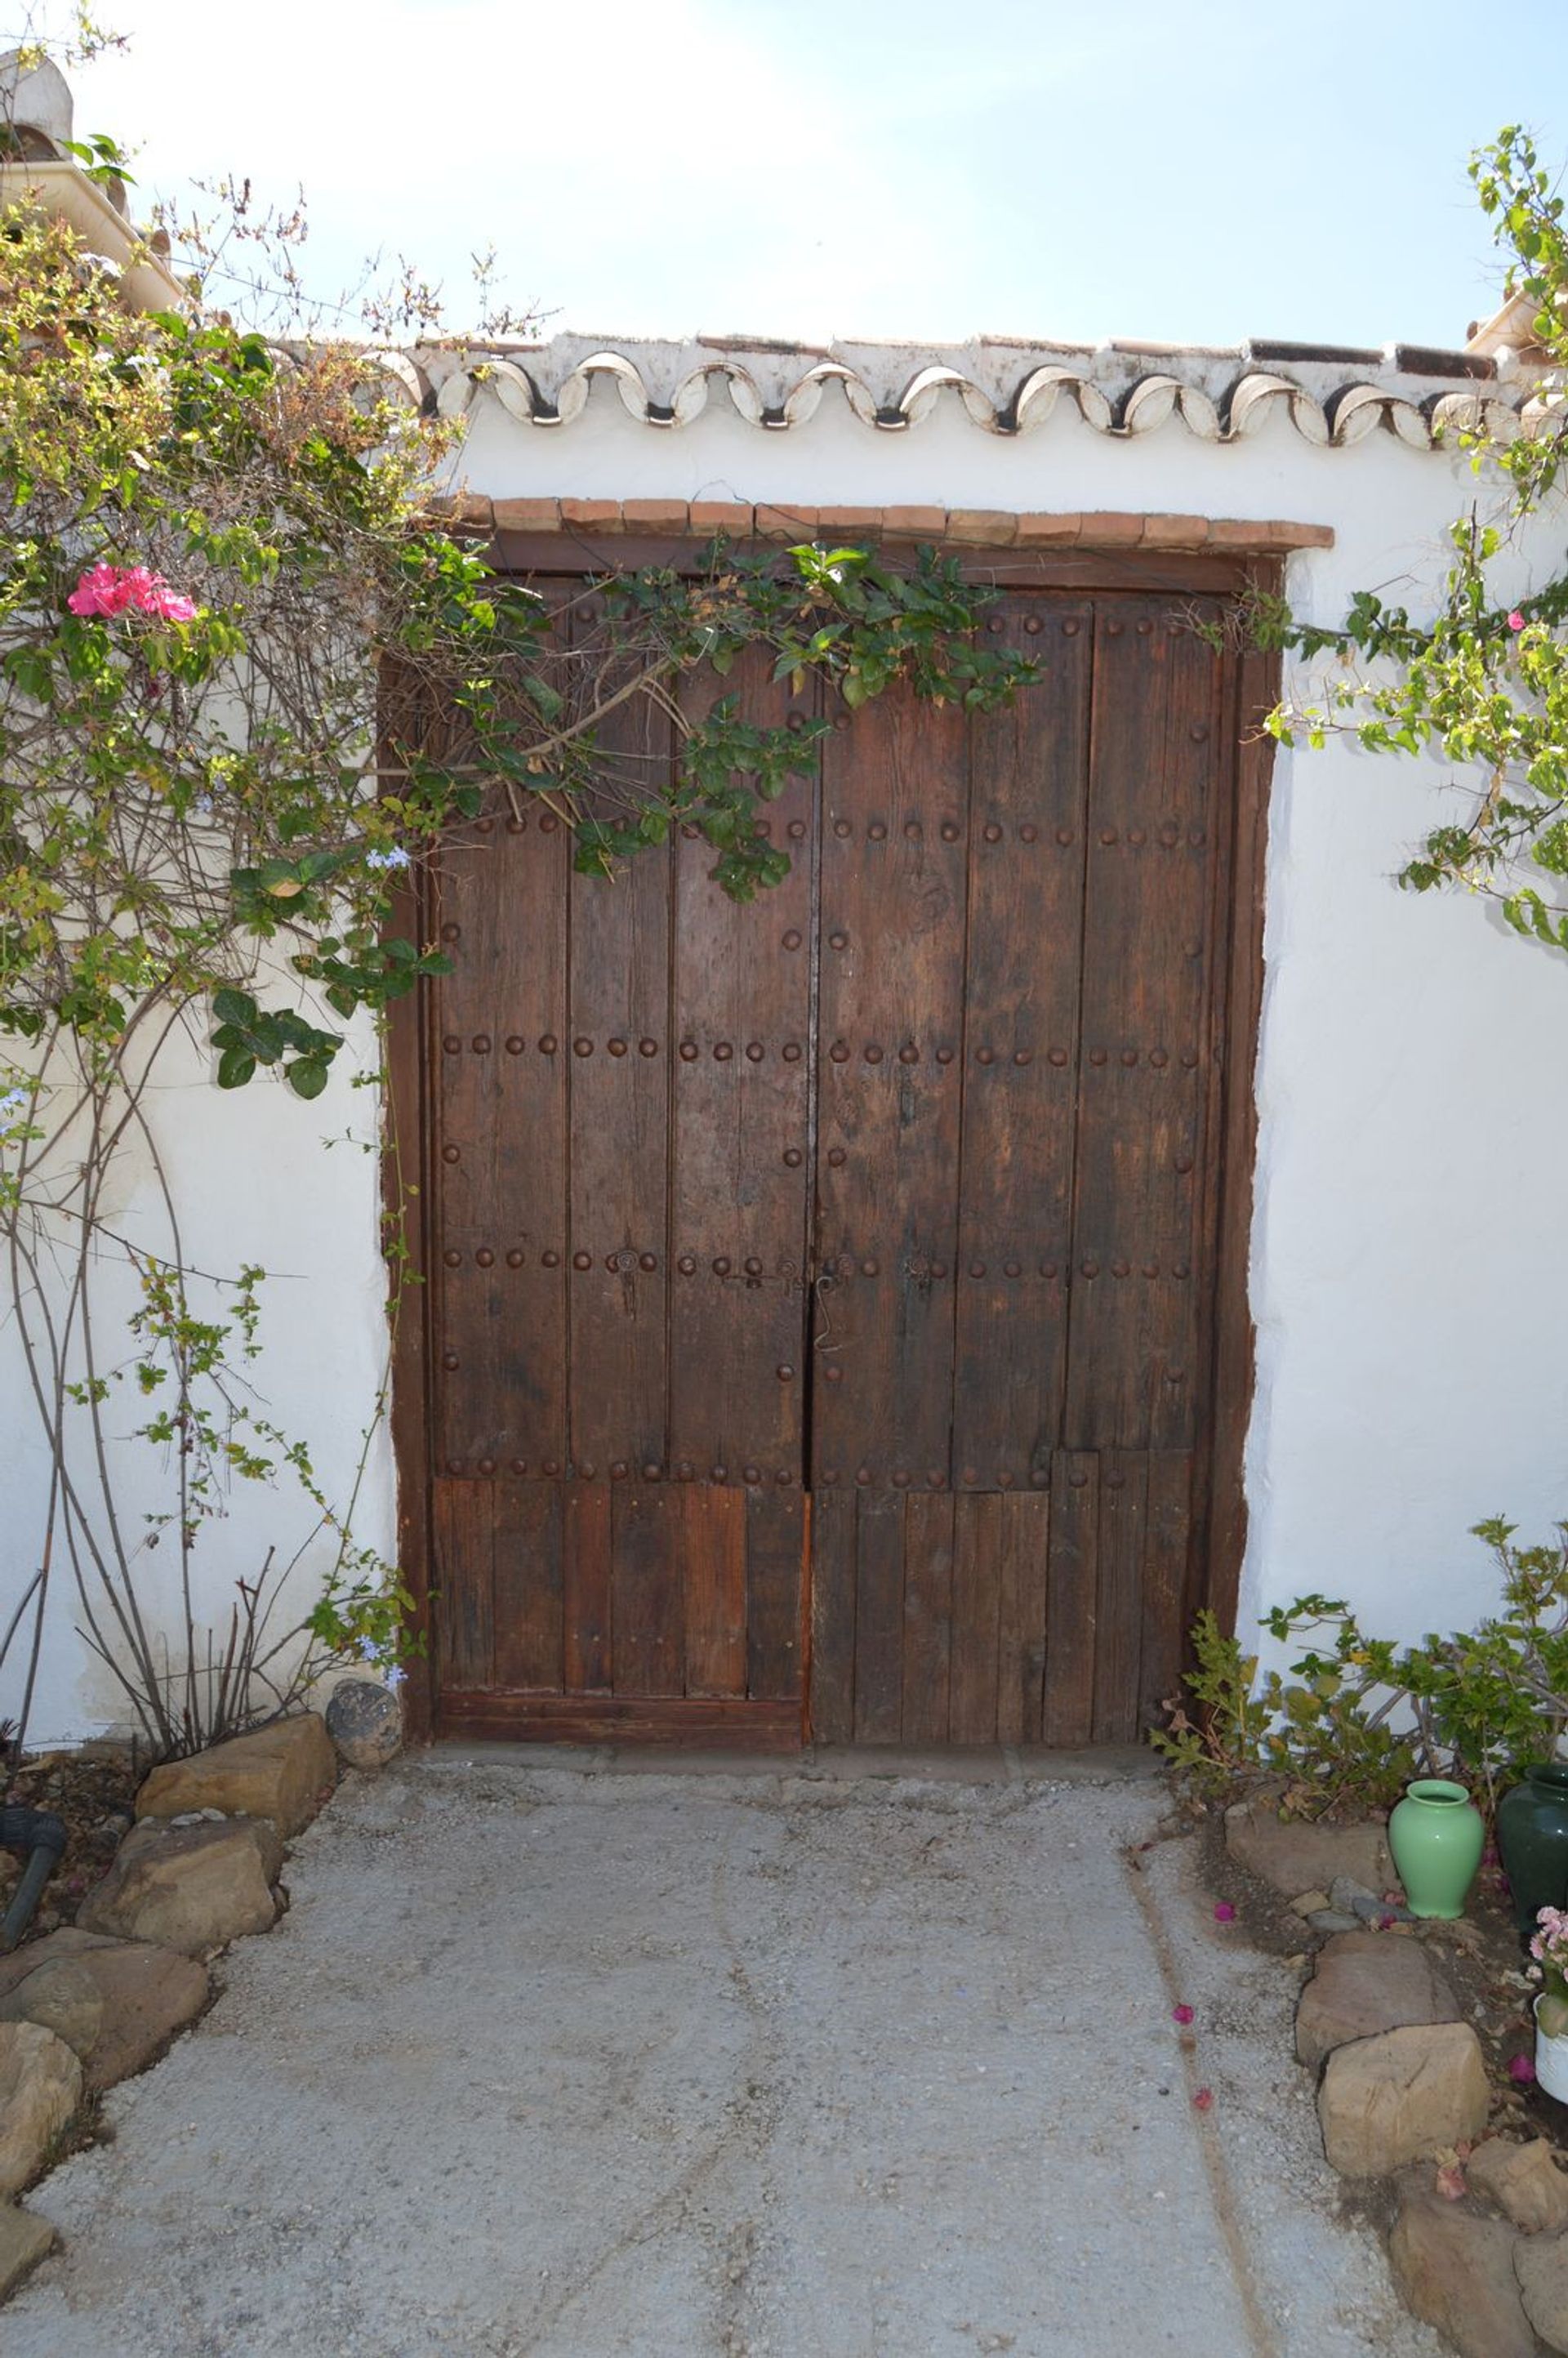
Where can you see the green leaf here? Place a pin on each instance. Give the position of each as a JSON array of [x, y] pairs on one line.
[[235, 1067], [305, 1077]]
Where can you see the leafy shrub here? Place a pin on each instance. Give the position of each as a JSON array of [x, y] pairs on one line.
[[1354, 1718]]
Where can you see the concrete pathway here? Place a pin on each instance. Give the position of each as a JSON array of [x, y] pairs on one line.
[[559, 2060]]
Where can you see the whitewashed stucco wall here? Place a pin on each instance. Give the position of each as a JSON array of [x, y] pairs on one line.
[[255, 1180], [1412, 1111]]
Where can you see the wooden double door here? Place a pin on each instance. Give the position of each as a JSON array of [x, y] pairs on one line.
[[822, 1314]]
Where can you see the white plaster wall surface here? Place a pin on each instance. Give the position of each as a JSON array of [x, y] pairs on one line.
[[254, 1182], [1408, 1302]]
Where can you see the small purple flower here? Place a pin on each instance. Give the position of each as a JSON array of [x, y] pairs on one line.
[[393, 1677], [395, 858]]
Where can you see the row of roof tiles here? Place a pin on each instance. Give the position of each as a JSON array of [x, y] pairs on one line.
[[1332, 396]]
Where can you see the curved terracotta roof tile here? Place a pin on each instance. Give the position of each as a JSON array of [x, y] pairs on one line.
[[1331, 398]]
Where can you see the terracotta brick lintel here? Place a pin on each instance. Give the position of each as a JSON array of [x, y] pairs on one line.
[[968, 527]]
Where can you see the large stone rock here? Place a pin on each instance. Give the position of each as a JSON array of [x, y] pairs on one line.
[[1524, 2181], [364, 1720], [116, 2003], [1293, 1857], [1541, 2266], [189, 1887], [1365, 1982], [1456, 2272], [281, 1772], [24, 2242], [40, 2088], [1402, 2096]]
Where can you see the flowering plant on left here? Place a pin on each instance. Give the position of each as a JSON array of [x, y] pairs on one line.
[[213, 553]]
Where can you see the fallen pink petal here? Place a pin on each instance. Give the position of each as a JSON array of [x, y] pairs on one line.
[[1450, 2183], [1223, 1913], [1522, 2070], [1204, 2100], [1183, 2014]]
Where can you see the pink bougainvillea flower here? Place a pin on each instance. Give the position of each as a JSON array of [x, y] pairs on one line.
[[1183, 2014], [1522, 2071], [97, 592], [1516, 620], [1223, 1913], [108, 589], [1204, 2100], [169, 605]]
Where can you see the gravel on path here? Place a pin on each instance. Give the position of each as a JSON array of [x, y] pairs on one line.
[[548, 2062]]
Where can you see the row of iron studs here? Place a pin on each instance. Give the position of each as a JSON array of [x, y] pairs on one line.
[[620, 1470], [840, 1051], [621, 1263]]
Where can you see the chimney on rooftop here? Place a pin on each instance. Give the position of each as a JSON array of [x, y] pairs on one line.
[[36, 111]]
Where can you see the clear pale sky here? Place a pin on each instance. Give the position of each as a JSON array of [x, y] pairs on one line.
[[1190, 171]]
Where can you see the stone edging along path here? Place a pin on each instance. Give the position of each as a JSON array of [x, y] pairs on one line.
[[1410, 2112], [94, 2002]]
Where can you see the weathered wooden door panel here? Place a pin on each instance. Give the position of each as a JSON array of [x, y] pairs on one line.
[[741, 1118], [891, 933], [856, 1247], [1147, 1067], [1026, 824], [618, 1179]]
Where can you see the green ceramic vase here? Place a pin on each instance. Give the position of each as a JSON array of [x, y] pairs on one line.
[[1436, 1835], [1533, 1837]]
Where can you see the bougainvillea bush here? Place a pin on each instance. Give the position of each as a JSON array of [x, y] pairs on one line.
[[248, 681]]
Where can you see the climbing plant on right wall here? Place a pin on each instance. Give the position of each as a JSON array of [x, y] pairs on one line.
[[1485, 681]]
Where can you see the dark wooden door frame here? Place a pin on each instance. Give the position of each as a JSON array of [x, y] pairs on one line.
[[407, 1191]]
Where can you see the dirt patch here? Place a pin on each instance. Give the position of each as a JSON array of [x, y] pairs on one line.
[[1481, 1957], [93, 1790]]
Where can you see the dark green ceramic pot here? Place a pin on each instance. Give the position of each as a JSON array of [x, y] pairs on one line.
[[1533, 1838]]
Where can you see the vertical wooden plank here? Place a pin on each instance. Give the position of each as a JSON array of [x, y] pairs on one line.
[[408, 1204], [620, 933], [776, 1526], [647, 1610], [1028, 789], [878, 1616], [1023, 1522], [709, 1527], [833, 1564], [464, 1568], [1119, 1620], [895, 812], [741, 1131], [979, 1534], [1256, 689], [928, 1615], [1071, 1585], [585, 1588], [526, 1517], [497, 1024], [1139, 1260], [1166, 1570]]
